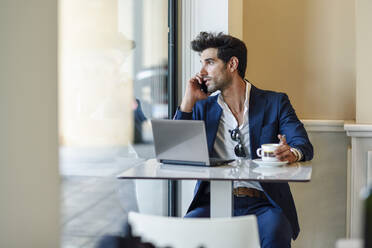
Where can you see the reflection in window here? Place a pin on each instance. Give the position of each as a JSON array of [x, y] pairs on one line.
[[113, 73]]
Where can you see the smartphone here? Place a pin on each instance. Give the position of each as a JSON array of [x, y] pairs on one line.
[[204, 87]]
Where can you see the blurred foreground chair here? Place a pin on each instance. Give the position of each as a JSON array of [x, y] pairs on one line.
[[237, 232], [349, 243]]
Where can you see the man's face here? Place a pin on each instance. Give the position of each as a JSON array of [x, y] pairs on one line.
[[214, 70]]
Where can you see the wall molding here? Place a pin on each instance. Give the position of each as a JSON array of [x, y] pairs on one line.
[[358, 130], [324, 125]]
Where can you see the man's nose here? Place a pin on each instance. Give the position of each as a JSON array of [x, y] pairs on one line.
[[203, 72]]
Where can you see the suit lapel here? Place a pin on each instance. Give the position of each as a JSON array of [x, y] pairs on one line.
[[212, 120], [256, 114]]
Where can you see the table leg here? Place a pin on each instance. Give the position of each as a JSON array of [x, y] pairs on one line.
[[222, 204]]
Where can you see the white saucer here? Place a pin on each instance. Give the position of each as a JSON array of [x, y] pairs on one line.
[[269, 163]]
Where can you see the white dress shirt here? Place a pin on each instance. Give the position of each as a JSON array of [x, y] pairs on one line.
[[224, 145]]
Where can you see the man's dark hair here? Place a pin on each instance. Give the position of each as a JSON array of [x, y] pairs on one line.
[[227, 47]]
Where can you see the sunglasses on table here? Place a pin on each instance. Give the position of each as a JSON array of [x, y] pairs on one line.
[[239, 148]]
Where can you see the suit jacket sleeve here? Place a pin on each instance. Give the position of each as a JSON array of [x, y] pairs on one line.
[[295, 132], [198, 112], [183, 115]]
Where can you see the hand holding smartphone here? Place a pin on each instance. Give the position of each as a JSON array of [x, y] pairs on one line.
[[192, 93], [203, 86]]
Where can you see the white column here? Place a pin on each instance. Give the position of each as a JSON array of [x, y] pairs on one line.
[[361, 142], [29, 178], [197, 16]]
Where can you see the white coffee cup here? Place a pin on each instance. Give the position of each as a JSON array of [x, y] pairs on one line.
[[266, 152]]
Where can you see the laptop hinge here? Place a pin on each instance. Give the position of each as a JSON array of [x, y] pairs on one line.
[[180, 162]]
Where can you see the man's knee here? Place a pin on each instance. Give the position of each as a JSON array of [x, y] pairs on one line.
[[276, 239], [275, 229]]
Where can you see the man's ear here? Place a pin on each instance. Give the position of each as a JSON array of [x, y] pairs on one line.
[[233, 63]]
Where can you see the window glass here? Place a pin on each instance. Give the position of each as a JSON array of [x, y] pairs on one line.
[[112, 80]]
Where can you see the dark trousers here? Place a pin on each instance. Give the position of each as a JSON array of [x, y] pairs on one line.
[[274, 228]]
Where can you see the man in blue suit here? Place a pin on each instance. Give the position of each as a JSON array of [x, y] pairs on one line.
[[238, 121]]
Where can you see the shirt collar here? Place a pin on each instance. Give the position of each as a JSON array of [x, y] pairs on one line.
[[248, 87]]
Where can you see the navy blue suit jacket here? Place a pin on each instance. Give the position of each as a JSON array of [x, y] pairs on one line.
[[270, 114]]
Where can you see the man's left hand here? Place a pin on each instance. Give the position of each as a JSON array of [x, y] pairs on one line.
[[283, 152]]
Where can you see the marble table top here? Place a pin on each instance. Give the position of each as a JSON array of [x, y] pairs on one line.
[[237, 170]]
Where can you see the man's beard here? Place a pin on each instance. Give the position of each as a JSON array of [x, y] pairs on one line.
[[220, 84]]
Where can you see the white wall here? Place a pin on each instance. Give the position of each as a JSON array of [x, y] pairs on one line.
[[29, 180]]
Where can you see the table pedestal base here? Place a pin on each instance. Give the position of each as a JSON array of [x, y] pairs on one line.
[[221, 199]]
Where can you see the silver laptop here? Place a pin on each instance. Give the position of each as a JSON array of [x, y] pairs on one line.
[[182, 142]]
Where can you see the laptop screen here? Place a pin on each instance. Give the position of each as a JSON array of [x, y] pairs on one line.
[[184, 141]]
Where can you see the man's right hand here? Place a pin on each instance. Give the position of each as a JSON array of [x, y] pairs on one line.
[[193, 94]]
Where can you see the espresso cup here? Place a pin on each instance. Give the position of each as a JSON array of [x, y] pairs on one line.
[[266, 152]]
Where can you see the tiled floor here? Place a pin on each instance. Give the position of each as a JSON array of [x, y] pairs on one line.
[[93, 202]]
